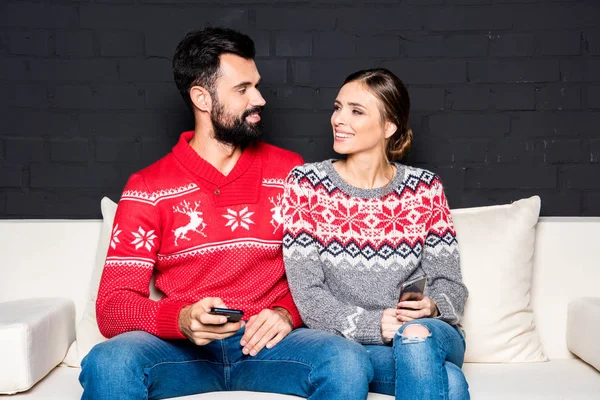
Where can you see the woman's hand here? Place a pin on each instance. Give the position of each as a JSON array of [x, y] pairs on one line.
[[389, 324], [415, 309]]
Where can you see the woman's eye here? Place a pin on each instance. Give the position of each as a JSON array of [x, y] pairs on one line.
[[336, 108], [356, 112]]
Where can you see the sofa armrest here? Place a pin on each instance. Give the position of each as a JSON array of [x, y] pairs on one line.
[[583, 329], [34, 337]]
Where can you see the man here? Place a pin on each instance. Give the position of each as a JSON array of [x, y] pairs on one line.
[[206, 219]]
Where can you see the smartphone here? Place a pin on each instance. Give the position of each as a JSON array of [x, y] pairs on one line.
[[413, 289], [232, 315]]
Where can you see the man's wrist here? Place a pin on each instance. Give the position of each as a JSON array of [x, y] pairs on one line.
[[182, 318], [285, 314]]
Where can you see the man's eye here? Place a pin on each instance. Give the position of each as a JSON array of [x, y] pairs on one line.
[[242, 91]]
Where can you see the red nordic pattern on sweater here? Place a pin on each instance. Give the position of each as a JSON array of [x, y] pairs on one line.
[[351, 227], [204, 234]]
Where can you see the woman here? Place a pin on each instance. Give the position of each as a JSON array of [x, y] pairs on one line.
[[359, 227]]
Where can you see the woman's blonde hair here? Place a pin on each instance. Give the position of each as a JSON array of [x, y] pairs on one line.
[[395, 102]]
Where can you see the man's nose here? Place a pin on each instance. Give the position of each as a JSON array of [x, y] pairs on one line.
[[257, 100]]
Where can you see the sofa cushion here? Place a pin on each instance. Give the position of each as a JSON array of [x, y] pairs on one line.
[[496, 245], [34, 337], [554, 380], [583, 329]]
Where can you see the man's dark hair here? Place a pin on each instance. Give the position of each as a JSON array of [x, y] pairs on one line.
[[196, 59]]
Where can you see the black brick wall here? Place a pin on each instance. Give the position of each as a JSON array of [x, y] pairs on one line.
[[506, 93]]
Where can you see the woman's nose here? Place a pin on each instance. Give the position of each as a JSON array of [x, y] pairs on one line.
[[338, 118]]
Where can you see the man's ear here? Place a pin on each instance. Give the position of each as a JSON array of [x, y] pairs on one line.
[[390, 129], [201, 98]]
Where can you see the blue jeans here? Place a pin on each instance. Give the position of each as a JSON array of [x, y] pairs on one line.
[[307, 363], [424, 369]]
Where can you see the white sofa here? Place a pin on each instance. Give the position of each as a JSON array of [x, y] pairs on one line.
[[55, 259]]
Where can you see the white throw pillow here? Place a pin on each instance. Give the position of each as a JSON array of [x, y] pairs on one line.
[[87, 331], [496, 245]]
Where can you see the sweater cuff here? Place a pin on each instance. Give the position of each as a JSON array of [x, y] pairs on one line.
[[369, 328], [288, 303], [445, 309], [167, 320]]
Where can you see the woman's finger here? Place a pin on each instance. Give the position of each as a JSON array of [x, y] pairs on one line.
[[403, 318], [413, 305], [414, 314]]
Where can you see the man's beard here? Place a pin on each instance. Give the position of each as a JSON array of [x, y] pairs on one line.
[[234, 131]]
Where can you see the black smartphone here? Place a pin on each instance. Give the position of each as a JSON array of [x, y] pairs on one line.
[[232, 315], [413, 289]]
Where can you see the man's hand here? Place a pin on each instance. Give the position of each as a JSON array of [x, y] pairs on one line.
[[200, 327], [410, 310], [267, 328], [389, 325]]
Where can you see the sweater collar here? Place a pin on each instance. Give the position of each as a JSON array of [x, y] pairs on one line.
[[202, 169]]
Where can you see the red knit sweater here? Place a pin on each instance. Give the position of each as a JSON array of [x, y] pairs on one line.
[[203, 233]]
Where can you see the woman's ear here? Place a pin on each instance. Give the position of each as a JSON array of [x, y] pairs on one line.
[[201, 98], [390, 129]]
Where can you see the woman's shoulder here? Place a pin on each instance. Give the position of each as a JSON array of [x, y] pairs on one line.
[[414, 176]]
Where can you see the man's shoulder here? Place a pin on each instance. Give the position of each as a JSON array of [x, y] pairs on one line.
[[161, 172], [277, 162], [278, 155]]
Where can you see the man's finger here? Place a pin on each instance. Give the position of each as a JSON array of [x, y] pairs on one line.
[[251, 327], [258, 335], [251, 320], [212, 335], [210, 302], [195, 325], [222, 328], [268, 336], [210, 319], [225, 329], [278, 338]]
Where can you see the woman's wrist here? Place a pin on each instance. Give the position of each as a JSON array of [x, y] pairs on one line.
[[435, 311]]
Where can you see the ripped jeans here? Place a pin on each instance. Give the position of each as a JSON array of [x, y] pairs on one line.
[[421, 368]]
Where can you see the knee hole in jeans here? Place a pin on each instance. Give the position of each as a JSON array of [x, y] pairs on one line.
[[415, 333]]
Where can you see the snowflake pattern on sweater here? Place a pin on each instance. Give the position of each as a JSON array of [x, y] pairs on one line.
[[202, 234], [347, 250]]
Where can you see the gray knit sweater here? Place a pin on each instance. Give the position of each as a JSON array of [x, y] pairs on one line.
[[347, 250]]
